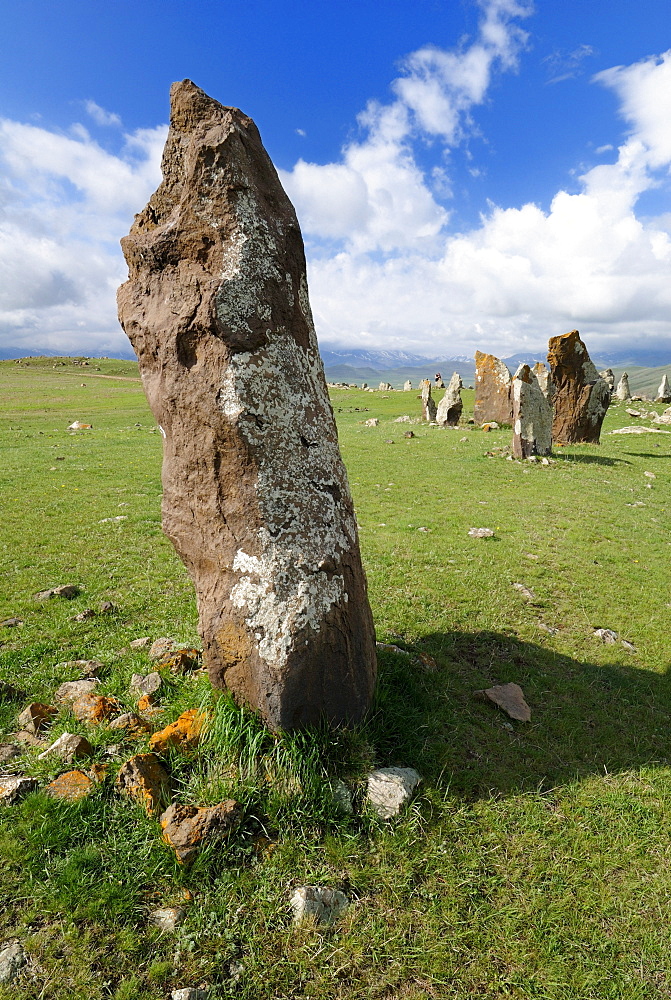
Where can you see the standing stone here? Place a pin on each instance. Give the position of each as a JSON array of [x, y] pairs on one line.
[[544, 378], [622, 392], [428, 403], [407, 386], [581, 398], [385, 387], [664, 391], [255, 495], [451, 405], [493, 390], [532, 416], [608, 376]]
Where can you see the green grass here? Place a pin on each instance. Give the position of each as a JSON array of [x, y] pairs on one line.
[[535, 862]]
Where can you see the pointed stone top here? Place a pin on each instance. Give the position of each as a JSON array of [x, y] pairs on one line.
[[191, 107]]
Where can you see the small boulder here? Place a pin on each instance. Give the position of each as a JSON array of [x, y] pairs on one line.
[[8, 751], [12, 787], [85, 668], [510, 698], [84, 616], [68, 746], [71, 690], [184, 660], [606, 635], [390, 789], [36, 717], [144, 779], [160, 647], [167, 918], [11, 622], [141, 643], [130, 722], [480, 532], [189, 993], [66, 590], [94, 708], [372, 422], [71, 786], [184, 732], [188, 828], [141, 684], [318, 904], [106, 607], [12, 960]]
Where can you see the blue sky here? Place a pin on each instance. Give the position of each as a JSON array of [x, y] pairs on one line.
[[467, 174]]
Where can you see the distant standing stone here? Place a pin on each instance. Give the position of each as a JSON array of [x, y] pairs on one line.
[[544, 379], [428, 403], [622, 392], [581, 397], [390, 789], [493, 390], [385, 387], [664, 391], [532, 416], [450, 407], [407, 386], [608, 376]]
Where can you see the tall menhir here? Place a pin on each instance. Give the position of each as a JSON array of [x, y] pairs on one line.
[[255, 494]]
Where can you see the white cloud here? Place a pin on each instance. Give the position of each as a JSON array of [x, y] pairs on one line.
[[100, 116], [64, 203]]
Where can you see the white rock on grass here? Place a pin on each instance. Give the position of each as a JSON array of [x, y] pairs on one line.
[[390, 789], [189, 993], [12, 787], [318, 904], [167, 918], [12, 960], [71, 690]]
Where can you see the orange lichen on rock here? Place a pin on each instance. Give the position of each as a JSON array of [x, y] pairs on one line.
[[95, 708], [145, 702], [180, 661], [187, 828], [71, 786], [144, 779], [184, 732]]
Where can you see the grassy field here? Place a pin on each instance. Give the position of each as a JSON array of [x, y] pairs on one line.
[[535, 862]]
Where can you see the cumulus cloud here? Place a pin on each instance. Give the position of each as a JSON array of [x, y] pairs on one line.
[[100, 116], [64, 202]]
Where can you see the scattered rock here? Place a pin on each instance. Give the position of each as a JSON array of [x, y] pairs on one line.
[[94, 708], [188, 828], [581, 398], [144, 779], [409, 434], [36, 717], [184, 660], [390, 789], [318, 904], [629, 645], [639, 430], [71, 690], [650, 475], [480, 532], [146, 684], [85, 668], [66, 590], [390, 648], [217, 284], [525, 592], [111, 520], [189, 993], [184, 732], [69, 746], [131, 722], [606, 635], [77, 425], [493, 391], [547, 628], [145, 704], [12, 960], [84, 616], [142, 643], [633, 413], [28, 739], [405, 419], [167, 918], [106, 607], [12, 787], [8, 751], [71, 786], [11, 622], [510, 698], [372, 422], [158, 648], [427, 662]]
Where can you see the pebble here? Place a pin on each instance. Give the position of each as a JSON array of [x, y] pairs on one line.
[[390, 789]]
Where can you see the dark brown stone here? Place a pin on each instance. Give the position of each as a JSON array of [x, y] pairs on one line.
[[581, 396], [144, 779], [493, 390], [255, 495]]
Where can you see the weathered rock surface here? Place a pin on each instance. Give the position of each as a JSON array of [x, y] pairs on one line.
[[622, 392], [450, 407], [36, 717], [532, 416], [188, 828], [130, 723], [255, 494], [140, 643], [181, 660], [71, 786], [390, 789], [71, 690], [8, 751], [544, 379], [94, 708], [12, 960], [510, 698], [608, 376], [189, 993], [146, 683], [493, 390], [167, 918], [318, 904], [581, 397], [144, 779], [664, 391], [67, 590], [184, 732], [159, 648], [407, 386], [12, 787], [69, 746], [428, 402]]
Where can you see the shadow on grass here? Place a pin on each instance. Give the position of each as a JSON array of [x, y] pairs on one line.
[[589, 459], [586, 718]]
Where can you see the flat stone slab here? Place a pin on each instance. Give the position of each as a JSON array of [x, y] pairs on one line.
[[510, 698], [390, 789]]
